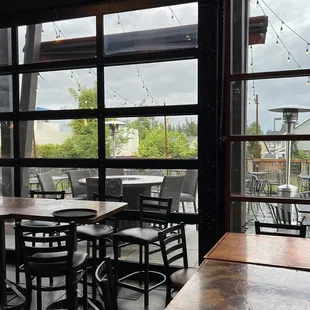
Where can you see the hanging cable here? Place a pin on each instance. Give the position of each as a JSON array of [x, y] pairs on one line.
[[173, 15]]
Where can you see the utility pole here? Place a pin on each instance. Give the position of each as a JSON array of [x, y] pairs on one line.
[[166, 139], [257, 142]]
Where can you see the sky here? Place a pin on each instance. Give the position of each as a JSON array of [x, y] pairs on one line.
[[176, 82], [270, 57]]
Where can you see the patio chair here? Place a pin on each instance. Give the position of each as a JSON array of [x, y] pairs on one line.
[[173, 247], [189, 188], [296, 230], [171, 187], [275, 178], [78, 190], [47, 184], [113, 186], [157, 172]]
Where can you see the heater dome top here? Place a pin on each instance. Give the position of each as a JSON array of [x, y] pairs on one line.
[[291, 108]]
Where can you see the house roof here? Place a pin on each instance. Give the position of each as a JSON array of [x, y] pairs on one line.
[[304, 121]]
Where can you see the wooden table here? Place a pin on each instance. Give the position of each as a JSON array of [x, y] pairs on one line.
[[222, 285], [287, 252], [42, 209]]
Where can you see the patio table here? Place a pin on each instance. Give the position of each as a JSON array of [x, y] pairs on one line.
[[228, 285], [133, 186], [42, 209]]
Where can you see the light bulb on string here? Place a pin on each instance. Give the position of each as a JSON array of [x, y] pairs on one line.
[[85, 122], [257, 3], [281, 28], [251, 64], [172, 17], [307, 49], [277, 42], [251, 47], [289, 57], [89, 72], [42, 32], [37, 89], [114, 95], [118, 21], [72, 75], [125, 102], [308, 80]]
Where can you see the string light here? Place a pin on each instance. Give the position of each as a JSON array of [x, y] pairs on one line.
[[89, 72], [173, 16], [307, 49], [42, 32], [308, 80], [257, 3], [85, 122], [72, 75], [289, 57], [277, 42], [281, 28]]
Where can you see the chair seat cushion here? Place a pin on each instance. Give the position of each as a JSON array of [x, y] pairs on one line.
[[56, 269], [137, 235], [187, 197], [38, 223], [180, 277], [93, 231]]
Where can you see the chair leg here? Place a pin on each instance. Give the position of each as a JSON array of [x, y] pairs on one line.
[[39, 294], [17, 257], [183, 206], [146, 276], [94, 265], [69, 291], [195, 206], [140, 263], [85, 302], [28, 292], [168, 293], [116, 266]]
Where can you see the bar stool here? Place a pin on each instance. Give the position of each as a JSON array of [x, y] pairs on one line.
[[154, 210], [98, 236]]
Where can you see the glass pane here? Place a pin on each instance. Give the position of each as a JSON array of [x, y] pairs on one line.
[[259, 168], [6, 142], [61, 40], [165, 28], [6, 98], [269, 94], [76, 138], [261, 29], [58, 90], [139, 85], [5, 47], [7, 181], [152, 137]]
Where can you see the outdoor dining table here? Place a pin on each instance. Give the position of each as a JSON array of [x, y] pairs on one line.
[[42, 209], [134, 186], [244, 271]]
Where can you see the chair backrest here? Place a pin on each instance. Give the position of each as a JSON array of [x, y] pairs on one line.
[[155, 210], [173, 246], [46, 183], [61, 240], [106, 287], [112, 187], [190, 182], [283, 216], [74, 176], [171, 187], [114, 171], [304, 194], [297, 230], [154, 172]]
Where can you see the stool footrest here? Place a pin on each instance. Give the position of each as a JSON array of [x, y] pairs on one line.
[[137, 288]]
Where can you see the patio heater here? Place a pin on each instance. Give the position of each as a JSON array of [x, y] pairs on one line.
[[114, 126], [290, 118]]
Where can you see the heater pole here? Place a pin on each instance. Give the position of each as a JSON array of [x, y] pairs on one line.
[[257, 142]]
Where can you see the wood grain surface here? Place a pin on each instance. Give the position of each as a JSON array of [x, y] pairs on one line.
[[286, 252], [220, 285]]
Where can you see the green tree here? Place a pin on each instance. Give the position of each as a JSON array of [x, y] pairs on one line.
[[253, 147], [154, 144], [143, 125]]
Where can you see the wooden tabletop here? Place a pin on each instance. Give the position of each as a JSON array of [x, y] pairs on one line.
[[42, 208], [220, 285], [287, 252]]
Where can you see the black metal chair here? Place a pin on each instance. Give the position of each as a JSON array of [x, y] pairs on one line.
[[106, 286], [297, 230], [153, 210], [98, 237], [189, 189], [56, 260], [173, 247], [36, 223]]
